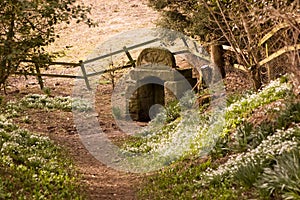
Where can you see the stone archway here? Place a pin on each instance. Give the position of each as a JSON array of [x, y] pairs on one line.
[[155, 81]]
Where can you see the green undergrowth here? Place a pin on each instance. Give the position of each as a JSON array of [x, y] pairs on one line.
[[31, 165], [254, 156], [38, 101], [192, 131]]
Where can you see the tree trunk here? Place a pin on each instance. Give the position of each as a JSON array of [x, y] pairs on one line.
[[217, 58], [255, 77], [6, 62]]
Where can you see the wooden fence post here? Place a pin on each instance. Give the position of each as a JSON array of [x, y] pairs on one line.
[[185, 42], [129, 56], [267, 64], [85, 75]]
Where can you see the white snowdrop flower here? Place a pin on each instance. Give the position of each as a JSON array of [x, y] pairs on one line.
[[273, 145]]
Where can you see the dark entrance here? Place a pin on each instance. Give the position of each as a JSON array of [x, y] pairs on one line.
[[149, 96]]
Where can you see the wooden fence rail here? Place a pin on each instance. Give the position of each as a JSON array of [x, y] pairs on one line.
[[82, 64]]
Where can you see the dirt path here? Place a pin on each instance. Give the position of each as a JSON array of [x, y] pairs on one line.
[[99, 181], [114, 16]]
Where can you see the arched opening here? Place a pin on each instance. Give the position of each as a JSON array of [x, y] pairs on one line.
[[150, 95]]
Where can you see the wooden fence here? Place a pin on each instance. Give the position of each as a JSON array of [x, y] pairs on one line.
[[82, 64]]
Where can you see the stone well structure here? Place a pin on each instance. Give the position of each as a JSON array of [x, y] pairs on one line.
[[154, 82]]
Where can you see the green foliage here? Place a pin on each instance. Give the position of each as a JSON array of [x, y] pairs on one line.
[[247, 175], [116, 112], [289, 116], [248, 137], [221, 148], [47, 91], [178, 180], [244, 135], [150, 140], [272, 146], [192, 129], [239, 24], [28, 26], [177, 15], [26, 120], [284, 176], [232, 98], [172, 111], [243, 108], [195, 19], [47, 102], [33, 167], [235, 165]]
